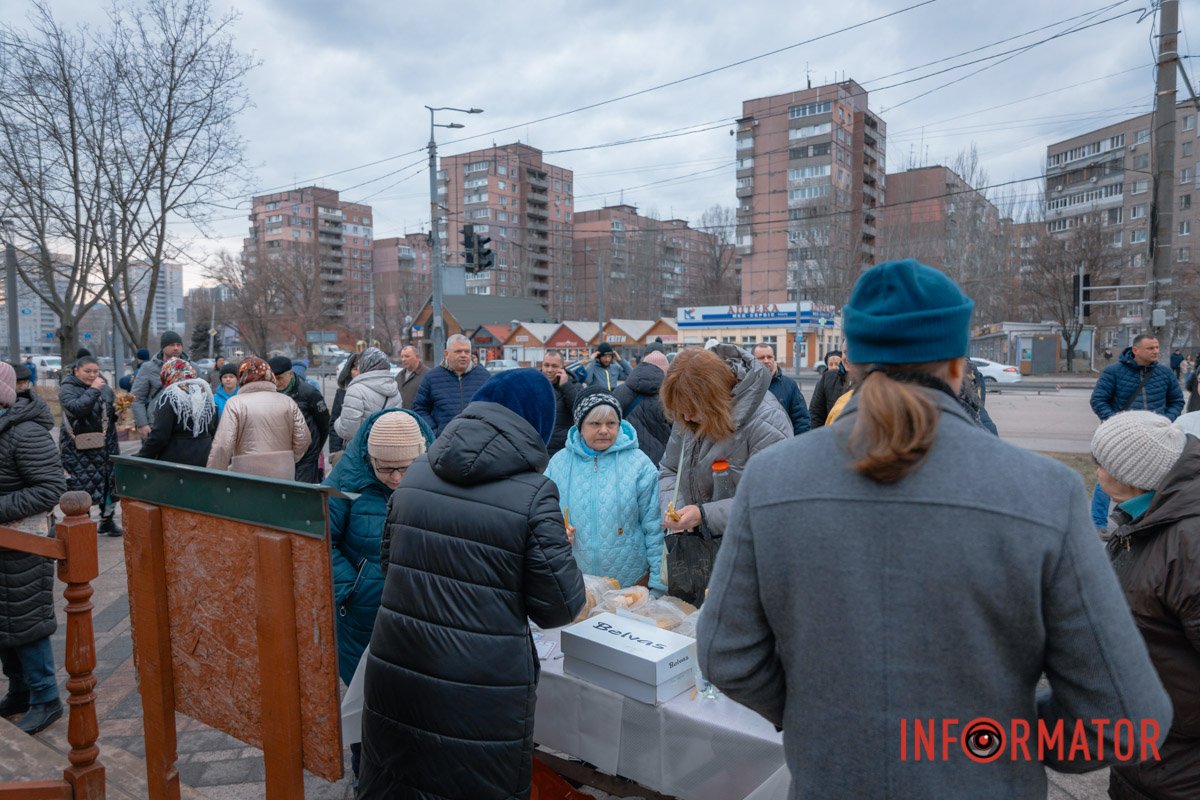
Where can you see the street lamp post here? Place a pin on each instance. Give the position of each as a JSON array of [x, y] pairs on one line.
[[437, 328], [10, 290]]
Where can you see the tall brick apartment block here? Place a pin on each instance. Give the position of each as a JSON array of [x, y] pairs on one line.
[[1107, 174], [313, 234], [403, 282], [526, 206], [810, 176]]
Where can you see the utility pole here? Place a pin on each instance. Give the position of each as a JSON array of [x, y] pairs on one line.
[[437, 327], [1163, 211], [10, 291], [118, 342], [212, 319], [371, 311], [600, 298]]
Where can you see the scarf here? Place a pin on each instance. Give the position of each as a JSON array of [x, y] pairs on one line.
[[193, 404]]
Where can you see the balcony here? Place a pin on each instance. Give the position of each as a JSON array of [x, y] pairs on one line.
[[541, 268], [328, 238], [534, 225], [329, 213], [537, 195], [332, 276], [868, 230], [539, 212], [537, 181], [870, 192]]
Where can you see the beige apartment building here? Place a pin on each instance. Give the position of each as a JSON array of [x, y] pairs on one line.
[[650, 266], [402, 277], [810, 180], [1107, 174], [526, 206], [325, 245]]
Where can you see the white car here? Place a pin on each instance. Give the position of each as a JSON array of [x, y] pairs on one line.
[[994, 372]]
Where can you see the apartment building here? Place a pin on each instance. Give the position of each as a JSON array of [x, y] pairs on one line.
[[323, 242], [650, 266], [526, 206], [403, 281], [1106, 176], [936, 217], [810, 180]]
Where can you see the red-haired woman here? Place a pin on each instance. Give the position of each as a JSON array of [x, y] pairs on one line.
[[723, 413]]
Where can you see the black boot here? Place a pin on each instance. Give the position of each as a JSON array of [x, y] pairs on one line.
[[14, 703], [108, 526], [40, 716]]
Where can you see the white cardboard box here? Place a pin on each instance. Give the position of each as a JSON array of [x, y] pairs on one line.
[[623, 684], [628, 647]]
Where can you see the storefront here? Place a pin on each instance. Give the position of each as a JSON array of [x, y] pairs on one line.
[[1036, 348], [571, 339], [527, 343], [801, 333]]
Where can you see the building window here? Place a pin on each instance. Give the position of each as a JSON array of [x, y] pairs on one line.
[[1186, 152], [1184, 255], [745, 142], [476, 166], [1137, 212], [1141, 186], [1185, 175], [272, 206], [1143, 136], [809, 110], [1185, 202], [811, 130], [1138, 236], [1185, 227], [1189, 122]]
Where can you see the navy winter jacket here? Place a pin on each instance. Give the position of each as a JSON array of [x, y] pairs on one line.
[[1121, 388], [788, 394], [444, 394]]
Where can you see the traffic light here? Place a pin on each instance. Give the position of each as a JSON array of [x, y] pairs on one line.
[[468, 243], [484, 258]]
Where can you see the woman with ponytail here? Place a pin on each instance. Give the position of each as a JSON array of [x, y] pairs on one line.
[[904, 564]]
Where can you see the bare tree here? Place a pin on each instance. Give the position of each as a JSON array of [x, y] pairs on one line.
[[717, 282], [254, 301], [51, 92], [177, 85], [1053, 269]]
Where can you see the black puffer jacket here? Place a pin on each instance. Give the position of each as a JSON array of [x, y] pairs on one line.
[[1157, 561], [564, 403], [170, 441], [832, 385], [316, 416], [31, 482], [648, 417], [477, 547], [88, 470]]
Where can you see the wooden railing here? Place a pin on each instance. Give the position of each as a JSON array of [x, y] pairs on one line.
[[74, 548]]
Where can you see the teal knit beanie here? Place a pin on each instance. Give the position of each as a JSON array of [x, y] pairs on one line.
[[903, 312]]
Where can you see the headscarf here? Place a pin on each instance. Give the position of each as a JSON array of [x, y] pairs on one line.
[[254, 369], [372, 359], [189, 397]]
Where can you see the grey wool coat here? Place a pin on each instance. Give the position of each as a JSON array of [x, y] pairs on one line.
[[840, 607]]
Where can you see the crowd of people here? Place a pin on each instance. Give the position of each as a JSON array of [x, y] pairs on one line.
[[850, 554]]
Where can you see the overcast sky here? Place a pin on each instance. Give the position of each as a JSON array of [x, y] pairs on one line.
[[344, 84]]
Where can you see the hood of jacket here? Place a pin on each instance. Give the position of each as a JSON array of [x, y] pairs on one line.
[[626, 440], [379, 381], [646, 379], [353, 472], [487, 443], [754, 381], [27, 410], [1128, 360], [1177, 497]]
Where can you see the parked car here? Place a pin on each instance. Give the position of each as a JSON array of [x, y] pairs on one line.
[[204, 365], [994, 372], [501, 365], [48, 367]]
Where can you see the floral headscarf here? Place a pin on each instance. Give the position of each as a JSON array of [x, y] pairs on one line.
[[189, 397], [175, 370], [254, 369]]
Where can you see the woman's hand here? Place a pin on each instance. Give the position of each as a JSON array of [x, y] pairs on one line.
[[686, 519], [570, 533]]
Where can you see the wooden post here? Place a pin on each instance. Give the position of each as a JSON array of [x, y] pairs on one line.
[[156, 680], [279, 667], [78, 570]]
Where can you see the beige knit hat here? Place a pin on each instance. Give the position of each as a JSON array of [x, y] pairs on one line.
[[395, 438], [1138, 448]]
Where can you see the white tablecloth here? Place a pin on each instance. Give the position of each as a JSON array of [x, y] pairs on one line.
[[702, 749]]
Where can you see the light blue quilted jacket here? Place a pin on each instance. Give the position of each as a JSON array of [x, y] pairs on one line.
[[613, 502]]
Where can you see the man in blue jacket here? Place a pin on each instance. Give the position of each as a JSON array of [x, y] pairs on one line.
[[607, 369], [785, 390], [447, 388], [1137, 382]]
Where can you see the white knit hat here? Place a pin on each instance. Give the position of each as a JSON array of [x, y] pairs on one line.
[[395, 437], [1138, 448]]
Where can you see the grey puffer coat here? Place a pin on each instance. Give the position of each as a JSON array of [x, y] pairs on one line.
[[85, 408], [761, 422], [367, 393], [31, 482]]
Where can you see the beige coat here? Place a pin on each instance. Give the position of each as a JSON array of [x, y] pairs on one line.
[[262, 432]]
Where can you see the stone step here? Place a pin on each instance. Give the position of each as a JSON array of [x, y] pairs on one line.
[[44, 757]]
